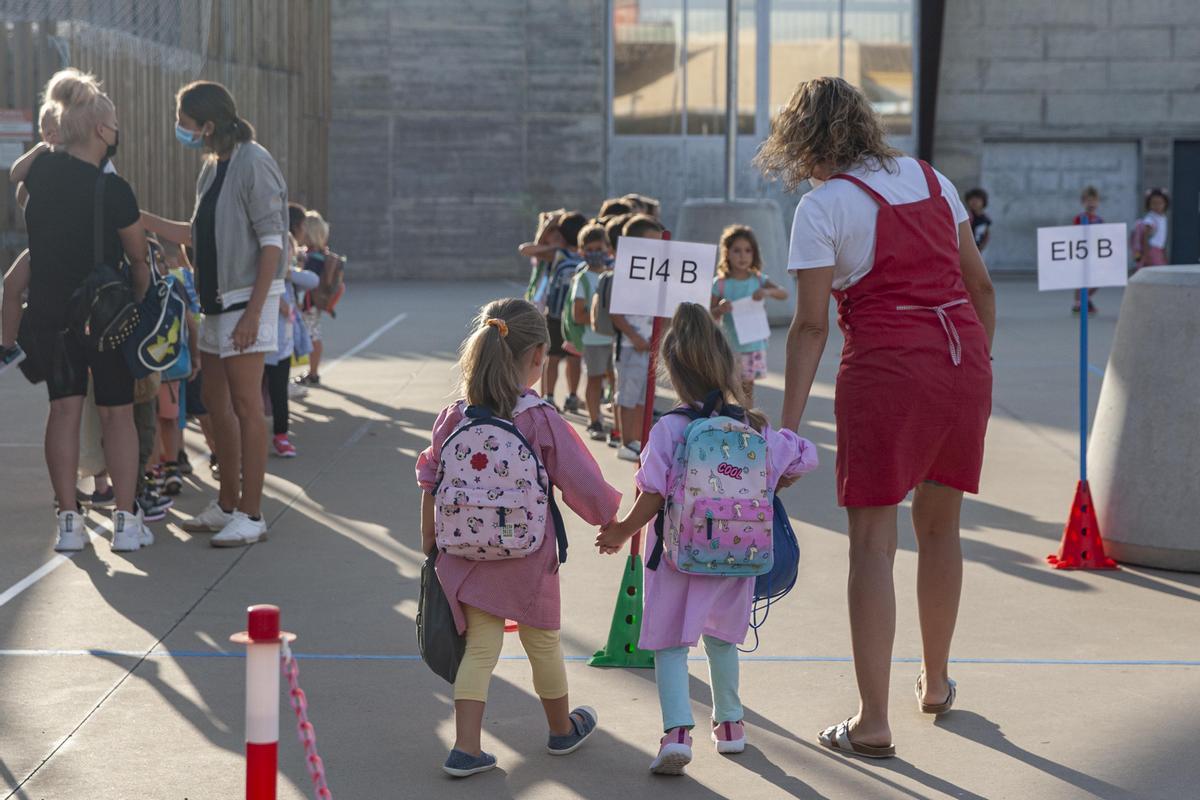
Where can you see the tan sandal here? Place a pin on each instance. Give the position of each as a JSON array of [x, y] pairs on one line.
[[837, 739], [935, 708]]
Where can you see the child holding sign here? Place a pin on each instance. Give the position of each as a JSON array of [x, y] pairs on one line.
[[739, 275], [683, 607], [631, 353], [1091, 202]]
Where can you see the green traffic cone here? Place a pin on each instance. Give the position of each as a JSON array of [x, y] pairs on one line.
[[622, 649]]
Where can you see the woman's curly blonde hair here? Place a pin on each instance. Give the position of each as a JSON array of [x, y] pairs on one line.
[[827, 123]]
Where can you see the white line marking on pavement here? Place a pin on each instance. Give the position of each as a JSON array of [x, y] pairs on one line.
[[39, 573], [367, 342]]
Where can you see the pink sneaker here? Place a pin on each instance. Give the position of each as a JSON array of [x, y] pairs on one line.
[[674, 753], [729, 736], [284, 448]]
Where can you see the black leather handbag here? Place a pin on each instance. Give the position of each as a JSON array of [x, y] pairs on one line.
[[102, 311]]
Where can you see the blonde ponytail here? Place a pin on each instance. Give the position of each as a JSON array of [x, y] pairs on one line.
[[699, 361], [492, 357]]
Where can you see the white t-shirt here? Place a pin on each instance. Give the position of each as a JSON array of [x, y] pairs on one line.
[[1159, 223], [835, 222], [643, 324]]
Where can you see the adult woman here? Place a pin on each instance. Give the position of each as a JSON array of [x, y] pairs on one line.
[[60, 216], [891, 240], [237, 233]]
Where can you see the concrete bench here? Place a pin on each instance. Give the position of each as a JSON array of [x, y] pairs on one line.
[[1145, 445]]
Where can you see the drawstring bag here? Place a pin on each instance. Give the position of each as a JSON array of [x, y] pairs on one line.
[[771, 587], [441, 645]]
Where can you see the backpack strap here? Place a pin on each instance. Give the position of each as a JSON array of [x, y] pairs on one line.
[[715, 402], [483, 415]]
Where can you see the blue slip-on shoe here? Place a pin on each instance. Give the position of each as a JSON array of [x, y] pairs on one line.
[[583, 721], [463, 765]]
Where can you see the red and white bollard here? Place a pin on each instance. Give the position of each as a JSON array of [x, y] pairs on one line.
[[262, 638]]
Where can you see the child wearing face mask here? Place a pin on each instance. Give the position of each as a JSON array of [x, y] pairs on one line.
[[597, 348]]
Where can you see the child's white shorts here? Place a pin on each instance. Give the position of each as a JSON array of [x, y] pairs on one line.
[[216, 331]]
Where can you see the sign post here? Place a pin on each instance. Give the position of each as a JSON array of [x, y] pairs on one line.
[[651, 277], [1082, 257]]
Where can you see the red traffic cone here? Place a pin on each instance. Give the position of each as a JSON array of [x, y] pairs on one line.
[[1082, 547]]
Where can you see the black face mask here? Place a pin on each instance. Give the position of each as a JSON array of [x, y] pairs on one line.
[[112, 148]]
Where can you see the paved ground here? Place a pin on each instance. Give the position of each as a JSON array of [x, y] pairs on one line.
[[116, 679]]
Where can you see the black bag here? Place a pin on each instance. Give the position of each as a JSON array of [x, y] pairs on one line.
[[102, 311], [441, 645]]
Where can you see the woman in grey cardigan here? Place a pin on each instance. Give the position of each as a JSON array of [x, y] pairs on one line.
[[237, 234]]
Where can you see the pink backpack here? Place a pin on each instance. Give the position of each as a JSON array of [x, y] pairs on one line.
[[493, 493]]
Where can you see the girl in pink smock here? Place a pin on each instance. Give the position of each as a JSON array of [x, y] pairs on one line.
[[681, 608], [500, 360]]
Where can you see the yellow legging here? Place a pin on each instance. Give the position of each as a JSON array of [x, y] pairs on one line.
[[485, 637]]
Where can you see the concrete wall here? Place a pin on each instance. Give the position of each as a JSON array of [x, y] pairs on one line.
[[454, 122], [1079, 75]]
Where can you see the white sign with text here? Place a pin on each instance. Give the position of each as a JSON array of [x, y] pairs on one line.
[[652, 277], [1079, 256]]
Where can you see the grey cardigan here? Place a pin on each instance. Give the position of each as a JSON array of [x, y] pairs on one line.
[[251, 213]]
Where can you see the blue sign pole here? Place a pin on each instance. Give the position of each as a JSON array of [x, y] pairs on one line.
[[1083, 383], [1084, 307]]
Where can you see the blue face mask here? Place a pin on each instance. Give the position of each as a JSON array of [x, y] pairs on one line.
[[595, 258], [188, 138]]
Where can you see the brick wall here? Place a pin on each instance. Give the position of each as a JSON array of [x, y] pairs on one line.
[[454, 121]]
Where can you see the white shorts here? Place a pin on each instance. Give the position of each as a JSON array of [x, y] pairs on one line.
[[216, 331], [312, 321]]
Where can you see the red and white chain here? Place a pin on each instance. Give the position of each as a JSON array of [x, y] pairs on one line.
[[304, 728]]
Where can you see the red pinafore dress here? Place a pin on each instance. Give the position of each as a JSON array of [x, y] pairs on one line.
[[914, 390]]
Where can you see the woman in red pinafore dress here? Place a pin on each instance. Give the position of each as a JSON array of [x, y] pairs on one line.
[[887, 237]]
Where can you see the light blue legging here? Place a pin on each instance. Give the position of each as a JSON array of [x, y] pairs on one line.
[[671, 674]]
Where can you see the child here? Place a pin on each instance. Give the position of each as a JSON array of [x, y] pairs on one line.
[[547, 247], [1150, 237], [316, 234], [172, 400], [739, 275], [631, 354], [292, 341], [558, 292], [500, 361], [597, 348], [682, 608], [1091, 202], [981, 223]]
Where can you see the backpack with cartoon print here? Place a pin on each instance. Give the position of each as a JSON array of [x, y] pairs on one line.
[[718, 515], [493, 495]]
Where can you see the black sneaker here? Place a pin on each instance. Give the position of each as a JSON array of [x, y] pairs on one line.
[[11, 356], [105, 499], [596, 431], [152, 505], [213, 466], [614, 438], [185, 466], [571, 404], [172, 480]]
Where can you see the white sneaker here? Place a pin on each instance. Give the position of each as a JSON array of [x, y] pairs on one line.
[[296, 390], [72, 533], [145, 535], [241, 531], [630, 452], [127, 532], [212, 519]]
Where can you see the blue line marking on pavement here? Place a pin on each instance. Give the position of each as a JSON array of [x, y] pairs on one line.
[[1092, 368], [398, 657]]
